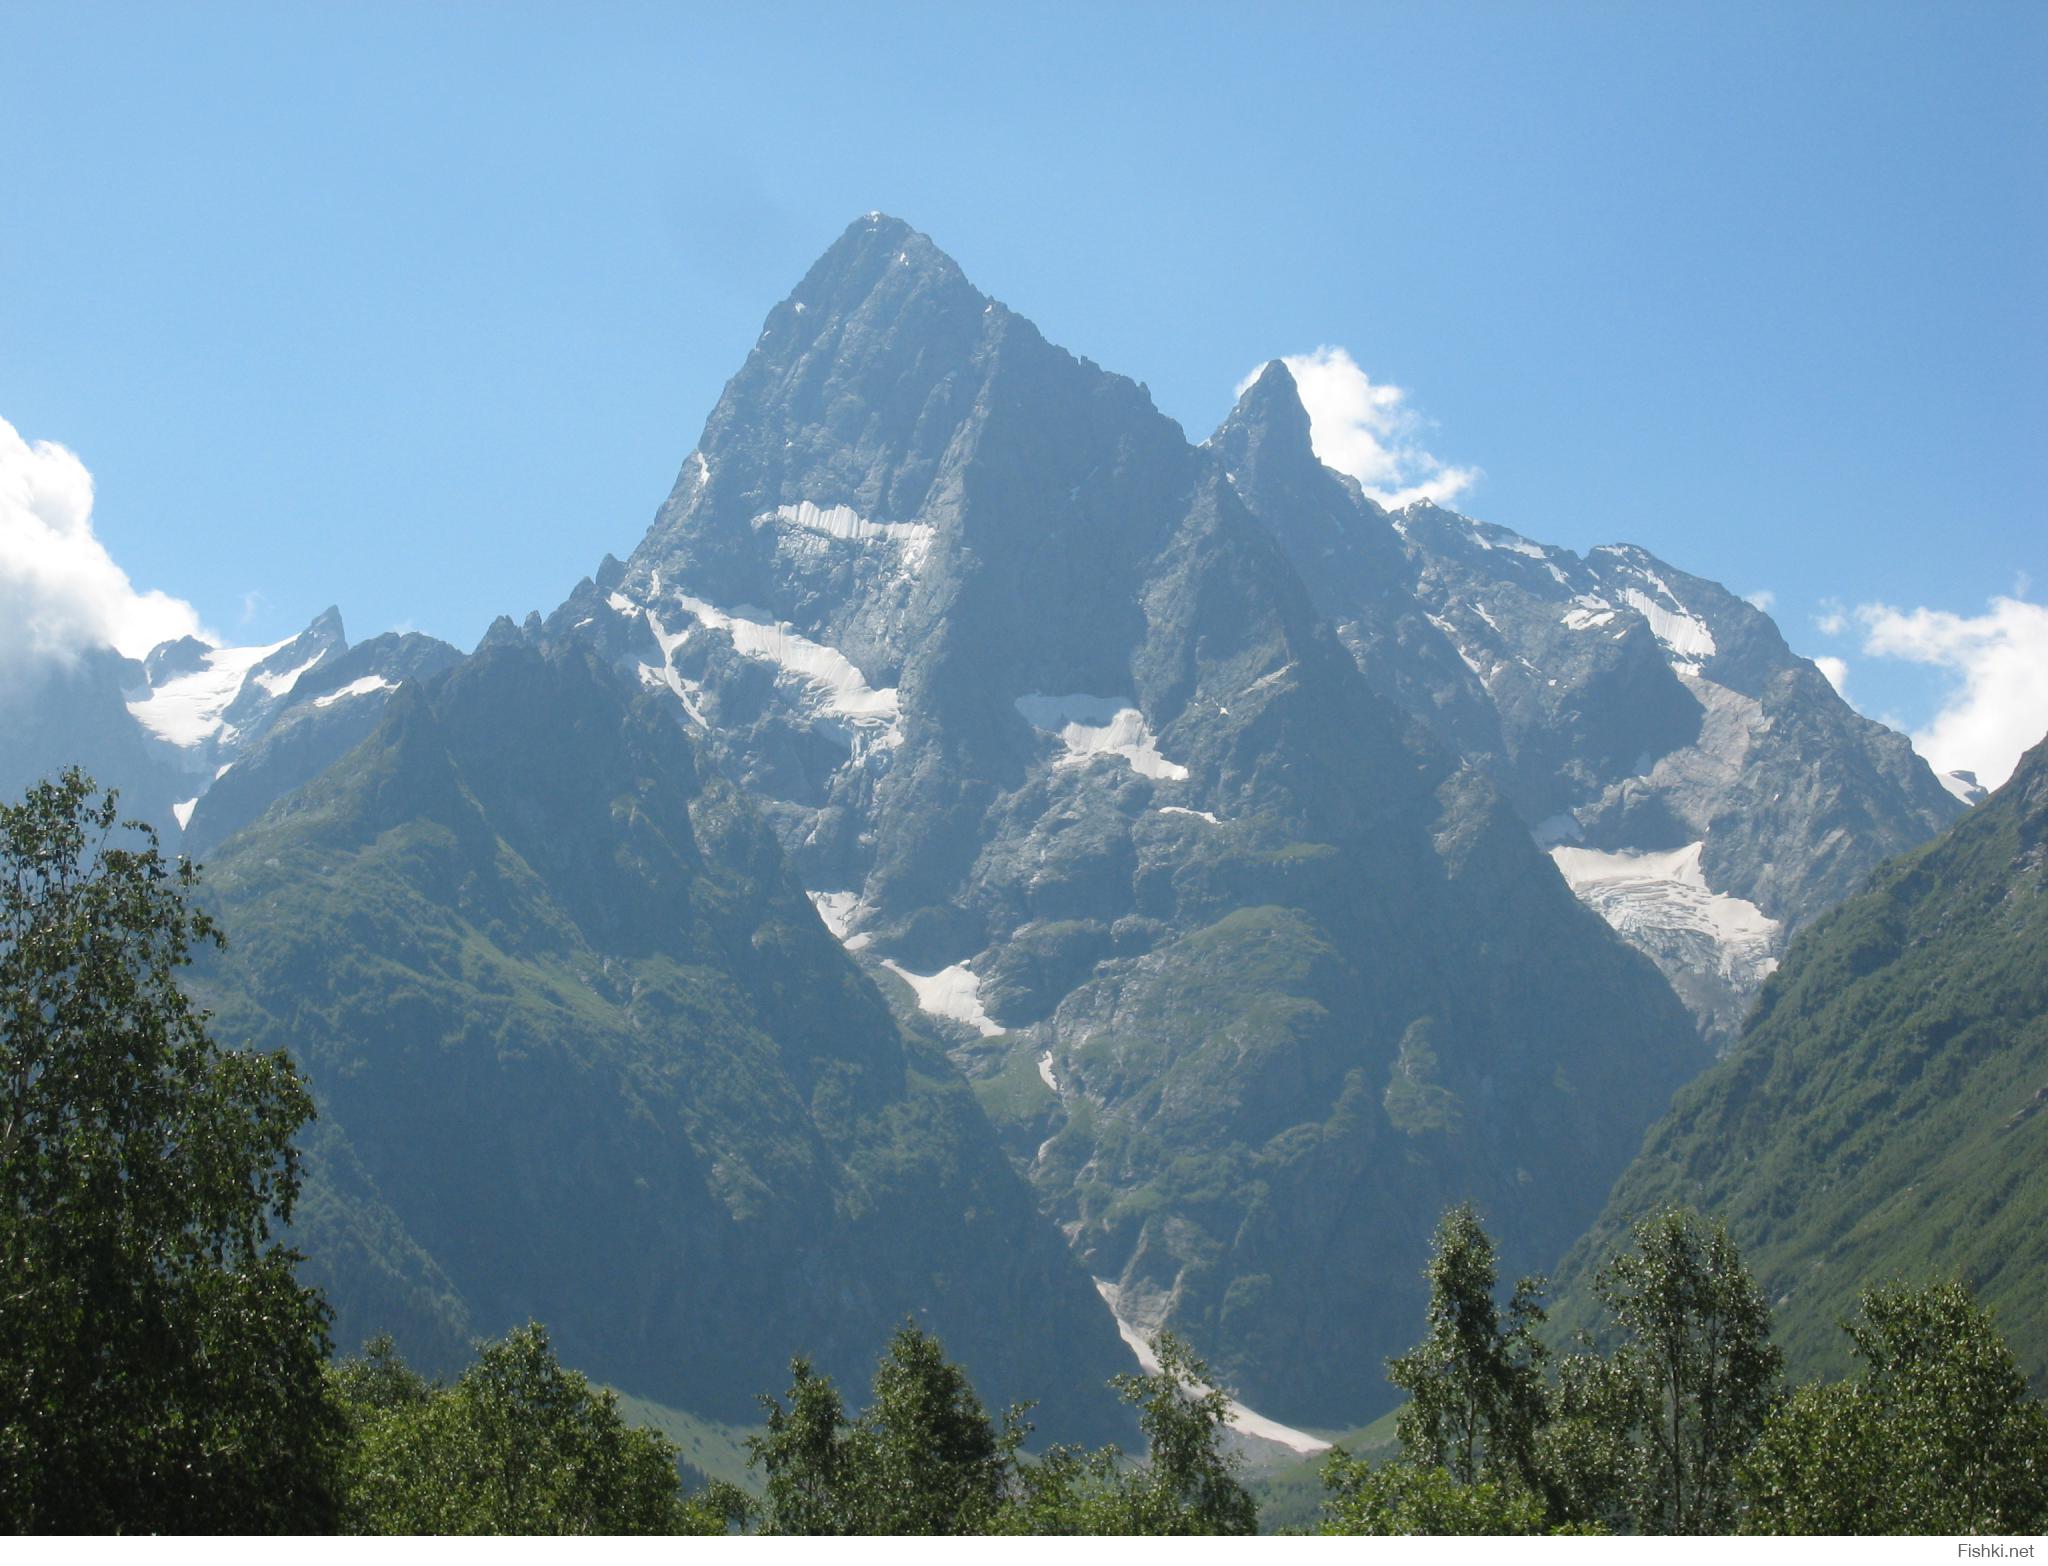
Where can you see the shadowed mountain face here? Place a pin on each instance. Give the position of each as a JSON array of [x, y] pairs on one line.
[[1697, 782], [1252, 973], [584, 1053], [1883, 1115]]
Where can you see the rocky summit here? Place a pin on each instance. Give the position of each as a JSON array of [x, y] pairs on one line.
[[1253, 972], [1698, 783]]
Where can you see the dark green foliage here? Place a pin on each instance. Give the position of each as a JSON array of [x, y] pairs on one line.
[[1189, 1484], [1476, 1394], [517, 1445], [1408, 1498], [1697, 1347], [923, 1459], [1883, 1115], [160, 1366], [1936, 1435]]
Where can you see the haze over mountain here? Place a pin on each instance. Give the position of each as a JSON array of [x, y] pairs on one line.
[[584, 1054], [1221, 826]]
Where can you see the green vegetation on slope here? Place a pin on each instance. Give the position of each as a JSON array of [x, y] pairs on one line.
[[547, 978], [1883, 1114]]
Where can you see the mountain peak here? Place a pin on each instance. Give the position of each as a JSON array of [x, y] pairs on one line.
[[877, 254], [1269, 421]]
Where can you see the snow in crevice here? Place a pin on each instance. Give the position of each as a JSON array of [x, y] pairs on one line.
[[953, 993], [1184, 810], [1046, 1074], [1489, 535], [183, 811], [828, 677], [1682, 634], [1272, 677], [1091, 727], [1245, 1421], [186, 710], [1451, 635], [836, 909], [1588, 613], [281, 684], [362, 687], [912, 541], [1648, 895]]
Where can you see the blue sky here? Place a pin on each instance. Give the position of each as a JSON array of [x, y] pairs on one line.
[[417, 309]]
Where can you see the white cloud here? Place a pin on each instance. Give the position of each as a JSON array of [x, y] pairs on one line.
[[1833, 619], [1837, 671], [1762, 599], [1999, 706], [60, 591], [1368, 430]]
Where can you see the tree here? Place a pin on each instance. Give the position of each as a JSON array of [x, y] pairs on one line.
[[1476, 1393], [1418, 1498], [517, 1445], [928, 1458], [923, 1459], [1697, 1367], [1936, 1435], [1189, 1484], [160, 1366]]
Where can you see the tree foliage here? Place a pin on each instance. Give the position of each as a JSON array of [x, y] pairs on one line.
[[1936, 1435], [1697, 1371], [517, 1445], [160, 1365], [1476, 1393], [1415, 1498]]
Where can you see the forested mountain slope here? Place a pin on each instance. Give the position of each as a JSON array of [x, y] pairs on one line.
[[1886, 1112]]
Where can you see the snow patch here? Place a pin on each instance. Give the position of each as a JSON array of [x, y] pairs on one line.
[[281, 684], [1681, 633], [1094, 726], [183, 811], [186, 710], [832, 679], [1245, 1421], [836, 909], [1963, 785], [1451, 635], [1046, 1074], [1505, 538], [1588, 613], [362, 687], [1642, 894], [912, 540], [953, 993], [1182, 810]]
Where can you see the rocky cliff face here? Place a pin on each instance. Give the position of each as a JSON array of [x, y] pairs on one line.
[[584, 1053], [1253, 972], [1697, 782]]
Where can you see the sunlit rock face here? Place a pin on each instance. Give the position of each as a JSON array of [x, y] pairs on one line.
[[1252, 974]]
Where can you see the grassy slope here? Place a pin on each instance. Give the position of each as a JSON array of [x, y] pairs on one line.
[[1883, 1114]]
